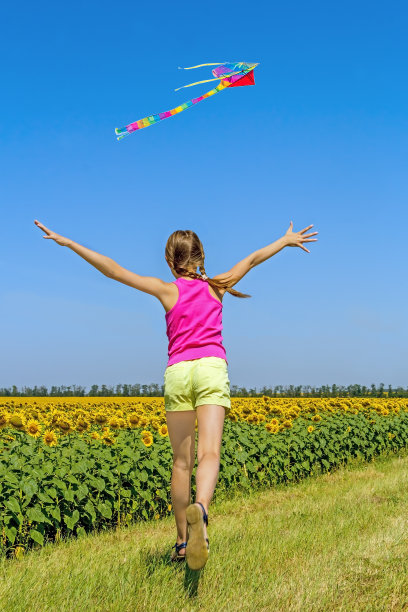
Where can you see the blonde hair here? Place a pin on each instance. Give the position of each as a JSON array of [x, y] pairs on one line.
[[184, 251]]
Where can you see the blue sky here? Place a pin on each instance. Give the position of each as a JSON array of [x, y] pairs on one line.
[[322, 138]]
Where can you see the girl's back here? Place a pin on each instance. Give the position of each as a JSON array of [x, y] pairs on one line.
[[194, 324]]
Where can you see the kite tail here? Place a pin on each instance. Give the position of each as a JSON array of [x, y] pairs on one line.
[[200, 66], [197, 83], [152, 119]]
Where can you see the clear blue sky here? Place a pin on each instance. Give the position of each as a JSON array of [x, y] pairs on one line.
[[322, 138]]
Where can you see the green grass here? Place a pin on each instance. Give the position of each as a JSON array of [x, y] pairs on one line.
[[337, 541]]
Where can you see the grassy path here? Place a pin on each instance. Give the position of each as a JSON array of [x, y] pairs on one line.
[[334, 542]]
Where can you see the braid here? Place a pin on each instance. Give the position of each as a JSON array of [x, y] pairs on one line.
[[184, 249], [218, 284], [189, 273]]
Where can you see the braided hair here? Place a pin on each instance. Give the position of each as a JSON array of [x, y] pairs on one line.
[[184, 251]]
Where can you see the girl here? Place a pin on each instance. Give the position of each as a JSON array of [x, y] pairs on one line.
[[196, 377]]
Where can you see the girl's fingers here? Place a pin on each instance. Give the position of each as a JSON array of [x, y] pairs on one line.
[[304, 248], [42, 227], [312, 234], [306, 228], [310, 240]]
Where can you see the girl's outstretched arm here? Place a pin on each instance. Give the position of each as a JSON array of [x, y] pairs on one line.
[[291, 238], [109, 267]]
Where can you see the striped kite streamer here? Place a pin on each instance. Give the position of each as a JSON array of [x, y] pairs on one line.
[[230, 75]]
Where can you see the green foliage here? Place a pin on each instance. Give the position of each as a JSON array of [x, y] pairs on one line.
[[79, 485]]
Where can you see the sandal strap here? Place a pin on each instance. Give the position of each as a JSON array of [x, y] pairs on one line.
[[205, 515], [178, 547]]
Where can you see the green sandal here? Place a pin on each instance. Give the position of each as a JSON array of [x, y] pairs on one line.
[[198, 547]]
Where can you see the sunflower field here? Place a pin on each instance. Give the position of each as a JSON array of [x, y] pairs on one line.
[[72, 465]]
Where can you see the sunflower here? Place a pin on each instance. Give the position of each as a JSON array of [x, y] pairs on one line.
[[275, 422], [101, 418], [287, 423], [109, 440], [155, 424], [3, 419], [50, 439], [316, 417], [114, 423], [95, 435], [34, 428], [64, 426], [147, 440], [134, 419], [310, 428], [163, 431], [17, 422], [82, 425]]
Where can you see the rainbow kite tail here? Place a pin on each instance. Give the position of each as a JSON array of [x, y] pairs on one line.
[[152, 119]]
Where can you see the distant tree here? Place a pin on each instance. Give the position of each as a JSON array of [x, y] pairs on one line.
[[94, 390]]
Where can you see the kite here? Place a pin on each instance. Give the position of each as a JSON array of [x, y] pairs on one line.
[[235, 74]]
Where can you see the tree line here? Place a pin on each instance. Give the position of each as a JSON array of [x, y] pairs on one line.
[[155, 390]]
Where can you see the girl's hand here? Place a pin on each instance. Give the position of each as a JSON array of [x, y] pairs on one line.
[[58, 239], [297, 238]]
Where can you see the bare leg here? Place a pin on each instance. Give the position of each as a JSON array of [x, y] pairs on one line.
[[210, 419], [181, 428]]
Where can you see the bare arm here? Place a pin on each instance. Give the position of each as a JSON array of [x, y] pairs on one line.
[[111, 269], [257, 257]]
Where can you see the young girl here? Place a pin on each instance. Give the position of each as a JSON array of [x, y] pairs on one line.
[[196, 377]]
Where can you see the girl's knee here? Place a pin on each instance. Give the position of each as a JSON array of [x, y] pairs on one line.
[[208, 454], [183, 463]]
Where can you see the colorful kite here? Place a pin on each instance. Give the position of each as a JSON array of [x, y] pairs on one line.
[[236, 74]]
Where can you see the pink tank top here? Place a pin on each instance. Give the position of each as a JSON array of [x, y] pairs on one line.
[[194, 323]]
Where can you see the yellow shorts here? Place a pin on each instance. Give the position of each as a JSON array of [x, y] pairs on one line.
[[192, 383]]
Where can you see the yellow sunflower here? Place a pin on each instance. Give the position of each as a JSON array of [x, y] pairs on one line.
[[147, 440], [64, 426], [50, 439], [114, 423], [101, 418], [134, 419], [163, 430], [109, 440], [33, 428], [82, 425], [155, 424], [310, 428]]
